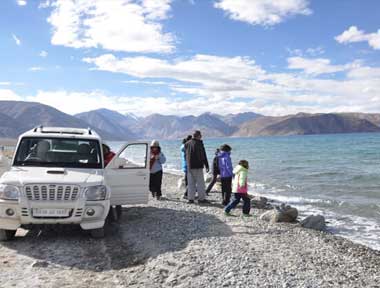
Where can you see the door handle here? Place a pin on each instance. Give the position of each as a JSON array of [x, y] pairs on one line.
[[140, 174]]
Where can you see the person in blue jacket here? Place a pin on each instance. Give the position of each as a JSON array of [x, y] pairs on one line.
[[183, 161], [226, 172]]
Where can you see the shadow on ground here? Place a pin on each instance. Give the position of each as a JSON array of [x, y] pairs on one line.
[[143, 233]]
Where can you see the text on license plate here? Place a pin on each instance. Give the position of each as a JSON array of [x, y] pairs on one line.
[[40, 212]]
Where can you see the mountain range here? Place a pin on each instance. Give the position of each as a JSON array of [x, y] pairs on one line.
[[17, 117]]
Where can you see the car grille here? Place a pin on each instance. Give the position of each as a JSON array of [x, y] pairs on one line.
[[42, 192]]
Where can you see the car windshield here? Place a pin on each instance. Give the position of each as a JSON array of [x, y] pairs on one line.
[[58, 152]]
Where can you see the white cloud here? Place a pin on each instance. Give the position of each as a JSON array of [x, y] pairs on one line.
[[145, 82], [43, 54], [312, 51], [315, 51], [263, 12], [200, 69], [21, 2], [36, 68], [44, 4], [239, 82], [8, 83], [315, 66], [353, 34], [142, 106], [118, 25], [17, 40], [364, 73], [9, 95]]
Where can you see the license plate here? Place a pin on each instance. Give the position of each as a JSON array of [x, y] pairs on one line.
[[39, 212]]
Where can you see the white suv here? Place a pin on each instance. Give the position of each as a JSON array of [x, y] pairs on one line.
[[58, 177]]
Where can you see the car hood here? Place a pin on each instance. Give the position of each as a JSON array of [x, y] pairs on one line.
[[41, 175]]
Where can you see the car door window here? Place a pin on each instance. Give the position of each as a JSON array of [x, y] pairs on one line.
[[134, 156]]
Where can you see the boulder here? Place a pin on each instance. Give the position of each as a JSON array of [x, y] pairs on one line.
[[284, 213], [267, 216], [316, 222], [259, 202]]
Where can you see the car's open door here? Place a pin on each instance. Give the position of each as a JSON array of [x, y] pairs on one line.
[[128, 175]]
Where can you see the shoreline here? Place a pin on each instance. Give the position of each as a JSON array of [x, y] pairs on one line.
[[304, 211], [170, 243]]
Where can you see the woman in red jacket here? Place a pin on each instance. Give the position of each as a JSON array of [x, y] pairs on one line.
[[107, 154]]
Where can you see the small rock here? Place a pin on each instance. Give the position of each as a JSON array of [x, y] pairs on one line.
[[40, 264], [316, 222]]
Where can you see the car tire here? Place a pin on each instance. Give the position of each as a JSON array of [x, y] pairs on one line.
[[7, 235], [97, 233], [112, 215]]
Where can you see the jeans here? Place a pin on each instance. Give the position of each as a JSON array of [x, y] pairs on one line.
[[196, 183], [226, 190], [155, 182], [235, 202]]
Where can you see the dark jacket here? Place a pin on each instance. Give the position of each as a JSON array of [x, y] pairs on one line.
[[215, 166], [196, 157]]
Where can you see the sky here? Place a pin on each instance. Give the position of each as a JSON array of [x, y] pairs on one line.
[[183, 57]]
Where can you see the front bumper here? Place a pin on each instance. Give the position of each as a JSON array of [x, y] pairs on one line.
[[23, 213]]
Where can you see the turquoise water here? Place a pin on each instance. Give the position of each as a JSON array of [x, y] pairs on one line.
[[334, 175]]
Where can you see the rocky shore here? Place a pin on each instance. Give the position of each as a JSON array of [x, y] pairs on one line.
[[170, 243]]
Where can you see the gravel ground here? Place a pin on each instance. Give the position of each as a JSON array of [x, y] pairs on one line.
[[170, 243]]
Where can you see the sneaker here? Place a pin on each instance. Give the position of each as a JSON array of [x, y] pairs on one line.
[[227, 213], [204, 201], [190, 202], [247, 215], [158, 198]]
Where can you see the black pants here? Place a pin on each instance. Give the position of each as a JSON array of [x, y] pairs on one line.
[[212, 183], [186, 183], [155, 182], [226, 190]]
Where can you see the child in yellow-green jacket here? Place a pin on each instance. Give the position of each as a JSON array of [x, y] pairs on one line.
[[240, 188]]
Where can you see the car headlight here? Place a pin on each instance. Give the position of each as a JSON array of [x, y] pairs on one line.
[[9, 192], [94, 193]]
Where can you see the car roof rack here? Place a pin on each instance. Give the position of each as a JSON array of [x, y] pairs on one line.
[[38, 127], [63, 130]]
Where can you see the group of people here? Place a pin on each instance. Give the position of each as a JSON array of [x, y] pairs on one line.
[[233, 180], [194, 160]]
